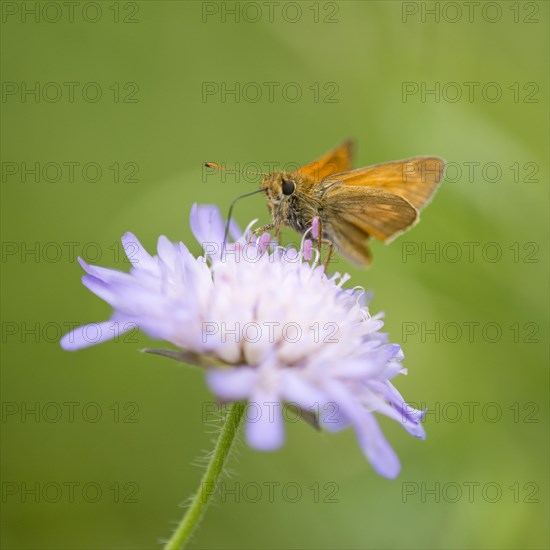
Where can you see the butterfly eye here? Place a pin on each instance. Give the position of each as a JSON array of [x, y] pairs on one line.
[[288, 187]]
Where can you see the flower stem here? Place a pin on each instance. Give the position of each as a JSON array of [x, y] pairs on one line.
[[200, 501]]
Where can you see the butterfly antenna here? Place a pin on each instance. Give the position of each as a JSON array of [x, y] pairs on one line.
[[226, 233], [219, 167]]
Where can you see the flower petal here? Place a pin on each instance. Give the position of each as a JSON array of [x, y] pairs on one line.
[[232, 384], [93, 333], [370, 437], [104, 274], [208, 228], [377, 449], [136, 253], [264, 426]]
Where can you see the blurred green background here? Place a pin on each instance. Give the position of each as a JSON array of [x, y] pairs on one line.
[[131, 426]]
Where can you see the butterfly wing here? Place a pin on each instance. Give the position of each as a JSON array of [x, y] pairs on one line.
[[414, 179], [334, 162], [349, 239], [351, 214]]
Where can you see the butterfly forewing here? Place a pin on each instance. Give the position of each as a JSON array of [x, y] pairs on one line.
[[414, 179], [334, 162]]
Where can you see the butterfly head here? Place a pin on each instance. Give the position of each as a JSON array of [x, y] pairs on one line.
[[279, 186]]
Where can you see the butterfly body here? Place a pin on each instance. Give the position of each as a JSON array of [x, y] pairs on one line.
[[296, 209], [381, 201]]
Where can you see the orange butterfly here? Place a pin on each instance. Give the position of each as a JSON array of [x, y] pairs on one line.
[[382, 200]]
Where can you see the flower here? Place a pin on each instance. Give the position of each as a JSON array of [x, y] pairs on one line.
[[268, 325]]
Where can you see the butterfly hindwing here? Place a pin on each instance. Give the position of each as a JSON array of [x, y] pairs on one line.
[[374, 211]]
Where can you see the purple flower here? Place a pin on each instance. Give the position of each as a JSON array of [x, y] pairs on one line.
[[267, 325]]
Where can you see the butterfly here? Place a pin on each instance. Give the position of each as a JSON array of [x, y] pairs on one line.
[[380, 201], [351, 206]]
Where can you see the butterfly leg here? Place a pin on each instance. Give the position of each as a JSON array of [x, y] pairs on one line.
[[329, 254], [256, 232], [320, 237], [263, 228], [321, 242]]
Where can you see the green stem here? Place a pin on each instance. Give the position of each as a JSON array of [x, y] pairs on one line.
[[194, 513]]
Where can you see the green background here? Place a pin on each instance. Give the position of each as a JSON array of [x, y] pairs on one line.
[[361, 52]]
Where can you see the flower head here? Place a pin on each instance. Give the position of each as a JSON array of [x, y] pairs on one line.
[[268, 326]]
